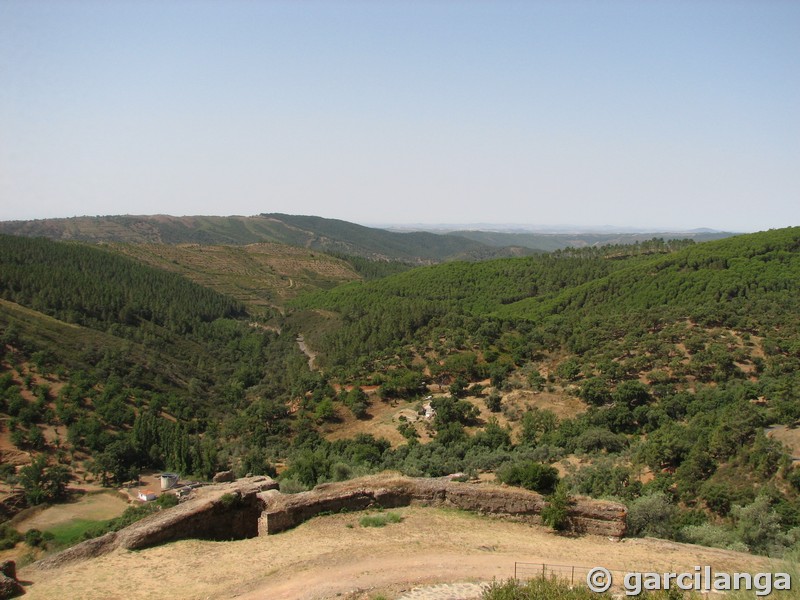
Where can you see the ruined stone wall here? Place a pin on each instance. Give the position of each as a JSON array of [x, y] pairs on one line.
[[253, 506], [220, 512], [286, 511]]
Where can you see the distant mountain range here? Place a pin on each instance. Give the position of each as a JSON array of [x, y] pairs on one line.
[[548, 242], [328, 235]]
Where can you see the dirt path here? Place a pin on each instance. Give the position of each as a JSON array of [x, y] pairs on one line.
[[312, 356], [330, 557]]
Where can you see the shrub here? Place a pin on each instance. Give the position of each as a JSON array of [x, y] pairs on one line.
[[598, 438], [530, 475], [494, 402], [230, 500], [380, 520], [715, 536], [539, 589], [652, 515], [341, 471], [8, 537], [292, 486], [604, 479], [167, 500], [34, 538], [793, 478]]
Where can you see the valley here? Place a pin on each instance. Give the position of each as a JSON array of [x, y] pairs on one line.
[[662, 374]]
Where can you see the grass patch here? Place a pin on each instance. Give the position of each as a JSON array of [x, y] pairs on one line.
[[380, 520], [70, 533], [78, 530]]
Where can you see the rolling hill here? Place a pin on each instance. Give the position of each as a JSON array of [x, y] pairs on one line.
[[316, 233]]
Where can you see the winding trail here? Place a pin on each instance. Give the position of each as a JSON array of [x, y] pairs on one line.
[[312, 356]]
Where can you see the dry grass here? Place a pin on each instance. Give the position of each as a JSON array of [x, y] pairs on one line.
[[92, 507], [330, 556]]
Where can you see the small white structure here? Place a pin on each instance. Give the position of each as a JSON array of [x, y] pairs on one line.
[[168, 480], [430, 412], [147, 496]]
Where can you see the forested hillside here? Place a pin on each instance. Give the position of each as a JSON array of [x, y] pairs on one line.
[[661, 373], [111, 349], [317, 233], [681, 358]]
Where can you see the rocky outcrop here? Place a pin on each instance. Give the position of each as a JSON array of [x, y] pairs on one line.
[[253, 506], [219, 512], [224, 477], [283, 511], [9, 586]]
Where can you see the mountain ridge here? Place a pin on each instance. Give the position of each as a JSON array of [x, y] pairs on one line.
[[316, 233]]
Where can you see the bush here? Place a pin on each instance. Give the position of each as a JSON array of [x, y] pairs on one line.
[[758, 526], [652, 515], [598, 438], [35, 538], [715, 536], [604, 479], [9, 537], [8, 473], [230, 500], [292, 486], [380, 520], [530, 475], [793, 477], [539, 589], [167, 500]]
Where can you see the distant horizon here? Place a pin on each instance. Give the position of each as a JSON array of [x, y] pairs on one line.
[[500, 227]]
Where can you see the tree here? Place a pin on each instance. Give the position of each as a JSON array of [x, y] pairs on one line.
[[632, 394], [758, 526], [325, 411], [357, 401], [42, 483], [556, 513], [595, 391], [535, 424]]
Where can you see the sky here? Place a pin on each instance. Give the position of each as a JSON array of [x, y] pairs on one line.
[[656, 114]]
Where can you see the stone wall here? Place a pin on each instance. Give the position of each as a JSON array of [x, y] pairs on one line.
[[253, 506], [219, 512], [284, 511]]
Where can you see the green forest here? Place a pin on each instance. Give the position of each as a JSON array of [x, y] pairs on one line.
[[661, 374]]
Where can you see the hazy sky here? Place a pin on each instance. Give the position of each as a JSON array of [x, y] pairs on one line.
[[674, 114]]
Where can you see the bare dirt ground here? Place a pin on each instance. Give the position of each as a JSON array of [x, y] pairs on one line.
[[334, 556], [789, 436], [382, 422], [384, 417]]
